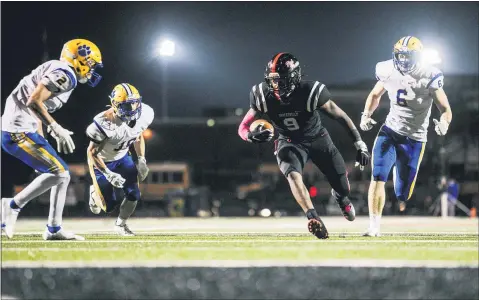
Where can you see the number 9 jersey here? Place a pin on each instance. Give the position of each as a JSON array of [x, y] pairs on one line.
[[116, 134], [297, 118], [411, 97]]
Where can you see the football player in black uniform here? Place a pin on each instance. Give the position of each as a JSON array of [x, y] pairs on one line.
[[292, 105]]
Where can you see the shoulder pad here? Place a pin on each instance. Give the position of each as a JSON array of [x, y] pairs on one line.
[[384, 69]]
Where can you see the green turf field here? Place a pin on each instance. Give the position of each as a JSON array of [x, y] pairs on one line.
[[249, 239]]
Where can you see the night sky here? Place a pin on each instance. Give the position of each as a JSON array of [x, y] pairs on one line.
[[222, 48]]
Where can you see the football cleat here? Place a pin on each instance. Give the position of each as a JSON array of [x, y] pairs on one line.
[[317, 228], [346, 206], [61, 235], [123, 230], [9, 217], [373, 232]]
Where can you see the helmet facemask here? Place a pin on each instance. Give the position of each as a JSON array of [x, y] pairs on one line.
[[129, 110], [283, 79], [405, 60]]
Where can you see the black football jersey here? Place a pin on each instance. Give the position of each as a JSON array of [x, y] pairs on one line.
[[298, 119]]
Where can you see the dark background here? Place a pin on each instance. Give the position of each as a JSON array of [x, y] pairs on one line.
[[222, 49]]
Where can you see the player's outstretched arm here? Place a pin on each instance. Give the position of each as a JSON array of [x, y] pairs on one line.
[[35, 103], [62, 136], [372, 102], [96, 161], [140, 147], [335, 112], [442, 103]]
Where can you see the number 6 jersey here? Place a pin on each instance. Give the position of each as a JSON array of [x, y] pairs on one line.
[[298, 118], [116, 134], [411, 98]]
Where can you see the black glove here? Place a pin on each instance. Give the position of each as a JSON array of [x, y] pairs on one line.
[[260, 135], [362, 156]]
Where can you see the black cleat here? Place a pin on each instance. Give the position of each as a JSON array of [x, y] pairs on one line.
[[316, 227], [346, 206]]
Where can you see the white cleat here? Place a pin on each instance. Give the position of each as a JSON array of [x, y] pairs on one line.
[[123, 230], [372, 232], [9, 217], [93, 207], [61, 235]]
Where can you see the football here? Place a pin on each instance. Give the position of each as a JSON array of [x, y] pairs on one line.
[[267, 125]]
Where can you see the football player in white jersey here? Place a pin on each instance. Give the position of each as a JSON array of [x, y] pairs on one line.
[[412, 87], [111, 165], [45, 90]]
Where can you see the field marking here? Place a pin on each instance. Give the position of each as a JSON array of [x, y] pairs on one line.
[[325, 246], [126, 240], [260, 233], [372, 263]]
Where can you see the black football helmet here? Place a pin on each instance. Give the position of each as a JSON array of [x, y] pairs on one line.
[[283, 75]]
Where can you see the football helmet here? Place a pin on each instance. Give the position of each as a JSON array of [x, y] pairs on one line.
[[126, 102], [84, 57], [407, 53], [283, 75]]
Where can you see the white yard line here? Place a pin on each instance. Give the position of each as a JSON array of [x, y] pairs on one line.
[[321, 247], [312, 241], [243, 263]]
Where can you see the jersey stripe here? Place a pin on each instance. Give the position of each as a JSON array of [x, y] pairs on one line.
[[127, 89], [317, 96], [263, 99], [308, 104], [256, 96]]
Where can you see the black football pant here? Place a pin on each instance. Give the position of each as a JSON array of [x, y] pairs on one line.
[[292, 156]]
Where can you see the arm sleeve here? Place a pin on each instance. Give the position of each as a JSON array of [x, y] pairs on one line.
[[95, 133], [318, 96], [380, 76], [436, 82], [58, 81]]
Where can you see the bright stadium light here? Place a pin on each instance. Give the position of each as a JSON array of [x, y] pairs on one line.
[[166, 48], [430, 56]]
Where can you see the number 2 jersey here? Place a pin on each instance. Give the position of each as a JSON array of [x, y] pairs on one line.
[[117, 134], [411, 97], [299, 118], [56, 76]]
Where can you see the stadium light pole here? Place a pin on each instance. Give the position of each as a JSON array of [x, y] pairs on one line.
[[165, 49]]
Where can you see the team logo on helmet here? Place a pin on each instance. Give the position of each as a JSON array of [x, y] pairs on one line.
[[84, 50]]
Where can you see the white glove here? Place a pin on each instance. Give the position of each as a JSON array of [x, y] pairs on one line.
[[142, 168], [62, 136], [441, 126], [366, 121], [114, 178]]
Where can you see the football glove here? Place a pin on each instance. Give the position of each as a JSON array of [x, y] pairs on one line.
[[366, 122], [114, 178], [362, 156], [260, 135], [142, 168], [62, 136], [441, 126]]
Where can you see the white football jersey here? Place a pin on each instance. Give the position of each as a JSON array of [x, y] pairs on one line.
[[411, 98], [57, 77], [116, 134]]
